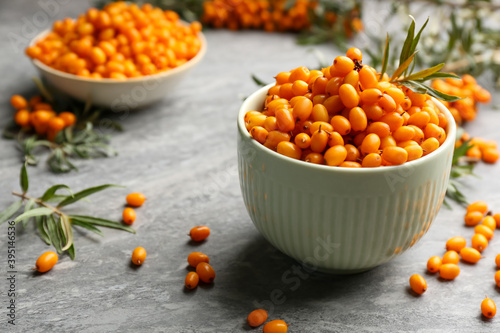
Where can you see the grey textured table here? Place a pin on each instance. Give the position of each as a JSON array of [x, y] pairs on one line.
[[182, 154]]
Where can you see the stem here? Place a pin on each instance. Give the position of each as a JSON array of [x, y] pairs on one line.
[[39, 202]]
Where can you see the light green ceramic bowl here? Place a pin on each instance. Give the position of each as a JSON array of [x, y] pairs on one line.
[[340, 220]]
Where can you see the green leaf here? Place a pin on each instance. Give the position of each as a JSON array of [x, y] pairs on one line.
[[67, 231], [417, 38], [102, 222], [71, 249], [84, 193], [424, 89], [29, 205], [52, 228], [24, 178], [460, 151], [41, 211], [405, 51], [49, 194], [258, 81], [439, 75], [10, 211], [87, 226], [385, 60], [41, 225], [422, 74], [403, 67]]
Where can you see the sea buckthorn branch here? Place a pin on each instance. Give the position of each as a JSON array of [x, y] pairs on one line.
[[54, 226]]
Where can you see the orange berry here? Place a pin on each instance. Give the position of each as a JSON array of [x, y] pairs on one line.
[[470, 255], [451, 257], [139, 255], [368, 78], [348, 95], [484, 230], [259, 133], [358, 119], [370, 144], [473, 218], [195, 258], [302, 140], [205, 272], [434, 264], [343, 65], [199, 233], [18, 102], [289, 149], [314, 158], [22, 118], [128, 215], [479, 242], [497, 278], [46, 261], [135, 199], [497, 260], [395, 155], [449, 271], [372, 160], [456, 244], [257, 318], [488, 308], [56, 124], [490, 222], [490, 155], [191, 280], [335, 155], [418, 284], [276, 326], [354, 54], [478, 206]]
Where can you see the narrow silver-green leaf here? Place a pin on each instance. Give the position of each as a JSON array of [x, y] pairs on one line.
[[422, 74], [102, 222], [52, 191], [10, 211], [41, 211], [52, 228], [386, 58], [424, 89], [84, 193], [87, 226], [67, 230], [71, 249], [29, 206], [405, 51], [41, 225], [403, 67], [417, 38], [24, 178], [440, 75]]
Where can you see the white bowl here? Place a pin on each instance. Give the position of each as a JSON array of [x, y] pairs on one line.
[[340, 220], [119, 95]]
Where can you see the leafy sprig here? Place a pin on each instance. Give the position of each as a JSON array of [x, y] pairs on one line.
[[54, 225]]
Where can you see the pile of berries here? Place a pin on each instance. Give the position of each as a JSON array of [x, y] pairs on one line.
[[40, 116], [119, 42], [487, 150], [199, 261], [346, 115]]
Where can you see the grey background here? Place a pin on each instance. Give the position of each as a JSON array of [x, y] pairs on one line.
[[182, 154]]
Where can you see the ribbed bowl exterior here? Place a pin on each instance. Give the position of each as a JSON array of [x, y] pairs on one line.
[[340, 220]]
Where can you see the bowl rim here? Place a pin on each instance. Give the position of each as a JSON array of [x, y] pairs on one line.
[[450, 140], [193, 61]]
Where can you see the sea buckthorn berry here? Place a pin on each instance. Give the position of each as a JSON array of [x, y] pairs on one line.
[[343, 65], [373, 112], [289, 149], [473, 218], [449, 271], [414, 152], [395, 155], [22, 118], [303, 109], [497, 260], [68, 118], [434, 264], [257, 317], [335, 139], [418, 284], [354, 53], [256, 120], [286, 91], [284, 120], [388, 141], [259, 133], [350, 164], [324, 126], [352, 153], [367, 78], [372, 160], [250, 114], [456, 244], [490, 222], [315, 158], [429, 145], [318, 86], [352, 78], [282, 78], [275, 137], [18, 102], [484, 230], [195, 258], [387, 103], [393, 119], [397, 95], [319, 113], [199, 233], [490, 155], [497, 219], [205, 272], [451, 257], [300, 88], [56, 124], [419, 119], [333, 86], [319, 141], [488, 308], [406, 104], [357, 118], [497, 278], [276, 326], [191, 280], [370, 96], [270, 124], [335, 155], [404, 133], [128, 215], [135, 199], [300, 73], [479, 242], [303, 140], [46, 261], [341, 124], [348, 95], [470, 255], [370, 144], [139, 255]]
